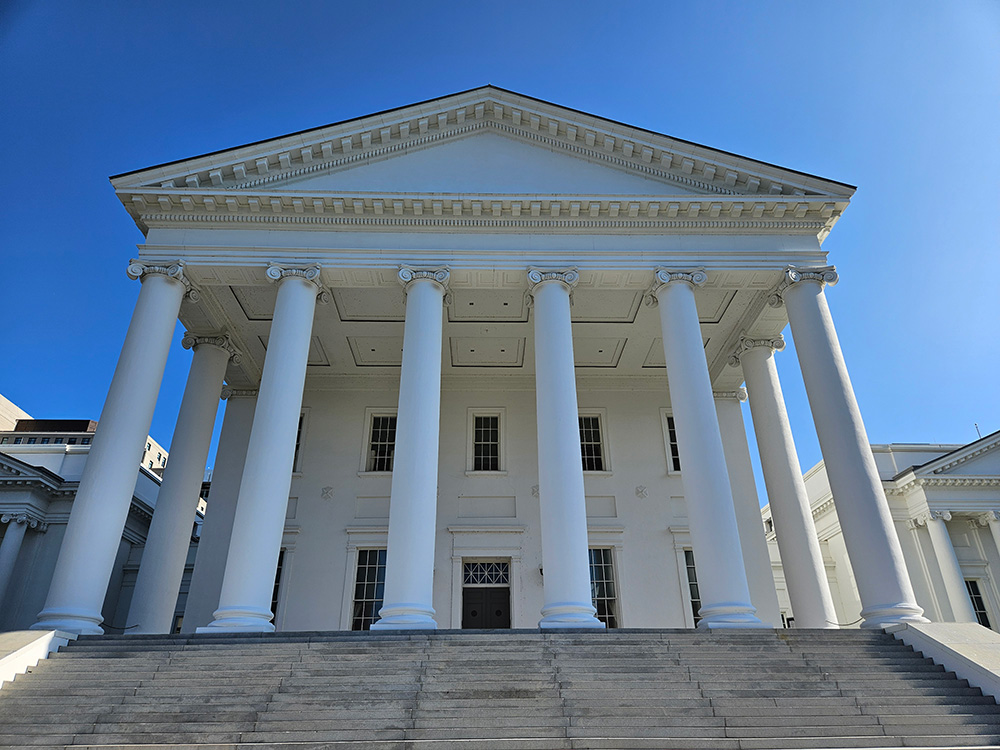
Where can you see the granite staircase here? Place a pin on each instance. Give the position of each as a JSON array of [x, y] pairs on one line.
[[502, 690]]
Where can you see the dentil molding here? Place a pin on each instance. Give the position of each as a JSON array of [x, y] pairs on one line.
[[230, 393]]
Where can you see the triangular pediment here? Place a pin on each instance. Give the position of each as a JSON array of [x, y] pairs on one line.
[[981, 458], [485, 163]]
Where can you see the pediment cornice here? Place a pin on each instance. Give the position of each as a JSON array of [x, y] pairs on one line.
[[256, 183]]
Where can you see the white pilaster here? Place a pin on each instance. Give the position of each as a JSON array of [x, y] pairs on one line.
[[565, 558], [90, 545], [992, 519], [245, 601], [409, 561], [217, 530], [711, 515], [746, 504], [951, 570], [798, 544], [872, 544], [10, 547], [162, 566]]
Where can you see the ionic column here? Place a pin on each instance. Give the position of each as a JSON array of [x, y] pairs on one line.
[[87, 555], [409, 560], [10, 546], [991, 519], [951, 570], [722, 577], [798, 544], [565, 557], [169, 537], [872, 545], [213, 547], [746, 503], [245, 601]]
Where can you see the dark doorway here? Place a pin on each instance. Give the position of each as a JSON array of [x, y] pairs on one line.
[[486, 607]]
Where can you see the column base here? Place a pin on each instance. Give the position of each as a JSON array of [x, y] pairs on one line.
[[69, 620], [569, 615], [886, 615], [239, 620], [730, 615], [405, 617]]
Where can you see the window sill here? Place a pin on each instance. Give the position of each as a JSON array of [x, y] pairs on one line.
[[471, 473], [374, 473], [606, 473]]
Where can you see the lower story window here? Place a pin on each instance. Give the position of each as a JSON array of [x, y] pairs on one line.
[[692, 577], [978, 603], [602, 586], [277, 585], [368, 588]]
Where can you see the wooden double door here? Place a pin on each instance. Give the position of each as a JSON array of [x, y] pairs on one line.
[[485, 607]]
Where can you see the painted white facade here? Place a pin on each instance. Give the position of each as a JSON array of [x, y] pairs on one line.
[[483, 253], [945, 505]]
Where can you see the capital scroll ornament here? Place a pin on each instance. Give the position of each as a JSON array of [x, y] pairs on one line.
[[663, 276], [793, 275], [932, 515], [191, 340], [740, 394], [568, 277], [990, 516], [746, 344], [139, 270], [24, 518], [409, 274], [276, 273]]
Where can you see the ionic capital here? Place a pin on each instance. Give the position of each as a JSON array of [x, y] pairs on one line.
[[408, 274], [740, 394], [222, 341], [792, 275], [990, 516], [932, 515], [139, 270], [277, 273], [775, 344], [663, 276], [567, 277], [23, 518], [228, 393]]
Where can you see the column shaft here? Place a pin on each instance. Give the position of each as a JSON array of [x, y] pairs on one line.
[[213, 547], [10, 547], [707, 492], [746, 504], [951, 570], [245, 601], [565, 557], [87, 555], [409, 565], [798, 544], [169, 537], [872, 544]]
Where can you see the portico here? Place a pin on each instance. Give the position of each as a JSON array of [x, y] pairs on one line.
[[456, 289]]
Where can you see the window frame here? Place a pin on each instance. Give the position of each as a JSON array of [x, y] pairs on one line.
[[353, 599], [612, 564], [688, 583], [366, 439], [472, 412], [602, 418], [665, 416], [301, 431]]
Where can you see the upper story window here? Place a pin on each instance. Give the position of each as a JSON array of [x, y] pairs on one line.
[[3, 441], [299, 431], [593, 447], [32, 441], [46, 441], [673, 453], [485, 449], [71, 441], [381, 442], [85, 441], [149, 447]]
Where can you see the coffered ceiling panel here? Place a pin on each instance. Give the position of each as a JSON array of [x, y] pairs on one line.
[[654, 357], [370, 304], [487, 352], [376, 351], [605, 306], [478, 305], [597, 352], [257, 302], [712, 303]]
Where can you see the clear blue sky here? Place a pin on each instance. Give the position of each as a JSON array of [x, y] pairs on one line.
[[899, 98]]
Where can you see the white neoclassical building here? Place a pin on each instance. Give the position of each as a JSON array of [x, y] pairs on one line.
[[482, 357]]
